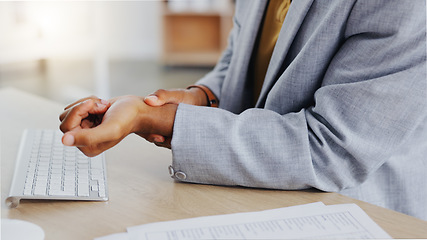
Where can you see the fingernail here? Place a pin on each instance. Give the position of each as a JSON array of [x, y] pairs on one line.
[[100, 105], [158, 140], [68, 140], [105, 102], [152, 98], [85, 101]]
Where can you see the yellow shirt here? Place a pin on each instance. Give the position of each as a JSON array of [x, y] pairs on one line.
[[272, 23]]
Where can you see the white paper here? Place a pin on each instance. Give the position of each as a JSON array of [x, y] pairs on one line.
[[304, 221], [14, 229]]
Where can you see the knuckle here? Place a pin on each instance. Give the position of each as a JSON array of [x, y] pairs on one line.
[[160, 92], [63, 128], [89, 101], [62, 116]]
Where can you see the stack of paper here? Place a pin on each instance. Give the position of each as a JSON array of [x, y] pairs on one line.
[[313, 220]]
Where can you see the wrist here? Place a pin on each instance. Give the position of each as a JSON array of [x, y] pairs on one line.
[[140, 123], [165, 120], [207, 97], [199, 96], [156, 120]]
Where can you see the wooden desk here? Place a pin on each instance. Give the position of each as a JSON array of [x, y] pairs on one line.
[[141, 190]]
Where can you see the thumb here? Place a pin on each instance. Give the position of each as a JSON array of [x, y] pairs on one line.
[[77, 137], [89, 137], [68, 139], [162, 97], [154, 101], [90, 141]]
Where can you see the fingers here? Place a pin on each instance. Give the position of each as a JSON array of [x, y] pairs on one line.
[[101, 106], [82, 137], [80, 101], [87, 114], [75, 115], [92, 141], [94, 125], [193, 96], [158, 140], [94, 98], [153, 138], [165, 144], [68, 139], [153, 101], [162, 97]]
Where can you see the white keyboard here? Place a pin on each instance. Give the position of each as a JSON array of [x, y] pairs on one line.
[[46, 169]]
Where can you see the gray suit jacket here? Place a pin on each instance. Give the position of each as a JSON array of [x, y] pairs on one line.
[[343, 107]]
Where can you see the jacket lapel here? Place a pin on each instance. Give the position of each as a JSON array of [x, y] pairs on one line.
[[294, 18], [234, 98]]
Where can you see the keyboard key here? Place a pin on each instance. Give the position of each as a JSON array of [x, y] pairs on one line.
[[61, 193], [40, 191], [102, 193], [83, 191], [93, 194], [27, 191], [96, 163], [55, 187]]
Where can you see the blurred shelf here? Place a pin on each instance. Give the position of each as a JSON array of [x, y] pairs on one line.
[[195, 37], [191, 58]]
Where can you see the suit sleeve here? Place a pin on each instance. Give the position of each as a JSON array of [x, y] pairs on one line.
[[372, 99]]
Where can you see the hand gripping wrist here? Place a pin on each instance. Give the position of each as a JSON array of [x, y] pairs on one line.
[[212, 100]]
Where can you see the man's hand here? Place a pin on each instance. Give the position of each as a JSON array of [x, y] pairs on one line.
[[89, 114], [94, 125], [192, 96]]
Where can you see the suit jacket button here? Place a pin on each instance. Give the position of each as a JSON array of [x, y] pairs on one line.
[[171, 171], [180, 175]]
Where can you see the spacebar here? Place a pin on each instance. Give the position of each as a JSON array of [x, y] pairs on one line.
[[61, 193]]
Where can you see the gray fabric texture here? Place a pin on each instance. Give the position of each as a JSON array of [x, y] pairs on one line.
[[343, 107]]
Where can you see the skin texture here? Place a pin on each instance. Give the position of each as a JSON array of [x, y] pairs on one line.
[[95, 125]]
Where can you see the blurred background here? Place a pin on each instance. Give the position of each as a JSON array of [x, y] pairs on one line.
[[65, 50]]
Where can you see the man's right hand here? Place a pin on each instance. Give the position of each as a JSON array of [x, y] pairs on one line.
[[192, 96]]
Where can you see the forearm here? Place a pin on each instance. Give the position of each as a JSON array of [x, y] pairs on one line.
[[328, 147]]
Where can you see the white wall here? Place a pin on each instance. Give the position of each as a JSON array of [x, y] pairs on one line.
[[133, 29], [31, 30]]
